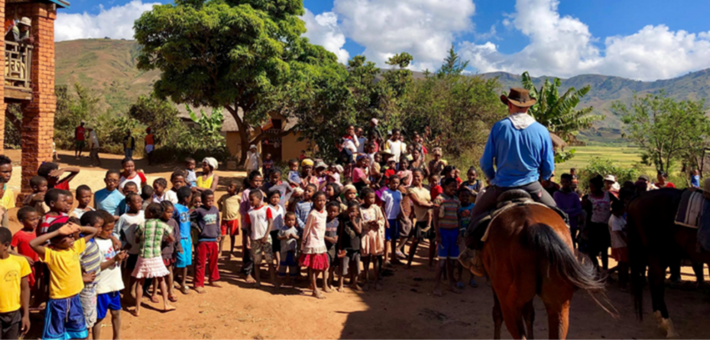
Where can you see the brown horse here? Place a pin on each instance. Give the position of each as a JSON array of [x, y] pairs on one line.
[[529, 252], [656, 242]]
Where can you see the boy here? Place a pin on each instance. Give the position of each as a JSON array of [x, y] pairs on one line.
[[260, 242], [125, 230], [392, 209], [465, 215], [110, 198], [351, 232], [64, 316], [293, 177], [229, 207], [191, 177], [83, 197], [36, 198], [110, 282], [90, 260], [267, 165], [568, 201], [21, 241], [182, 215], [446, 222], [207, 217], [434, 187], [289, 242], [619, 241], [147, 195], [15, 288], [160, 193], [56, 200]]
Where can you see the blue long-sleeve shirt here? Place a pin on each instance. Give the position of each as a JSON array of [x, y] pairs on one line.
[[520, 156]]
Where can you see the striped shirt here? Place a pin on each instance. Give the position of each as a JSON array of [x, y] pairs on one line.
[[151, 234], [448, 211], [90, 261], [302, 210]]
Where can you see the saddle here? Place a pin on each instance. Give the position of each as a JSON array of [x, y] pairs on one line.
[[477, 230]]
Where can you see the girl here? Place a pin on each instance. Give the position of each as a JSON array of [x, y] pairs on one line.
[[303, 208], [320, 175], [373, 236], [349, 194], [332, 193], [129, 174], [150, 264], [276, 223], [598, 205], [331, 240], [307, 173], [436, 165], [404, 173], [254, 182], [360, 179], [207, 179], [473, 183], [417, 161], [350, 243], [313, 250], [169, 250]]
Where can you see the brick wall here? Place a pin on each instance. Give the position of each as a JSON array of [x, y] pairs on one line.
[[3, 106]]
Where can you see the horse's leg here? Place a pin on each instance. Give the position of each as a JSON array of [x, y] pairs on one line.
[[656, 278], [497, 316], [529, 316], [513, 316], [557, 319]]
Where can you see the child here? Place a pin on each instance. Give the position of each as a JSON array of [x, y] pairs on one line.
[[276, 222], [36, 198], [177, 179], [421, 202], [90, 260], [373, 236], [392, 209], [332, 228], [434, 188], [56, 200], [258, 221], [307, 173], [568, 201], [183, 259], [619, 241], [207, 217], [130, 174], [191, 177], [150, 264], [29, 218], [229, 207], [313, 249], [52, 172], [267, 165], [446, 222], [70, 202], [360, 178], [109, 281], [293, 177], [160, 192], [169, 248], [15, 287], [109, 198], [147, 195], [288, 236], [350, 235], [404, 173], [473, 183], [83, 197], [125, 230], [254, 182], [465, 215], [64, 316], [303, 208]]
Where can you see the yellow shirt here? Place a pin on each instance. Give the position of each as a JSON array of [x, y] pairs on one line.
[[65, 279], [12, 270], [423, 195], [205, 183], [229, 207], [8, 199]]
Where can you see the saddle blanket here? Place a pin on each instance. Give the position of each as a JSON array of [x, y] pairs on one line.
[[690, 209]]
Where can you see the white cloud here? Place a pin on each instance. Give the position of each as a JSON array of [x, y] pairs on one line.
[[563, 46], [323, 29], [115, 22], [424, 28]]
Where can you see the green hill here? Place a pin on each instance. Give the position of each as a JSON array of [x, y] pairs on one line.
[[108, 67]]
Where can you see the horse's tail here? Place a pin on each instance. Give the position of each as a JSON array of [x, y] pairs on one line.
[[549, 246], [637, 265]]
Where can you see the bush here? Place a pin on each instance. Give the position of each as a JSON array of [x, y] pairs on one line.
[[599, 166]]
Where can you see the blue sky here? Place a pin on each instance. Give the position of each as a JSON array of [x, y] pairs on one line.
[[646, 40]]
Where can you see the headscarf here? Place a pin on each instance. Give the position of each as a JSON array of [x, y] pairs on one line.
[[438, 151], [307, 162], [212, 162]]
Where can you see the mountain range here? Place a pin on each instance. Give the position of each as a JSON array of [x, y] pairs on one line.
[[108, 68]]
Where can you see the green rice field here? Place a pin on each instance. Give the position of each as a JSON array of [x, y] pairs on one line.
[[625, 156]]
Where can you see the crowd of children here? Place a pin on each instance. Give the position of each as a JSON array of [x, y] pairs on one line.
[[139, 239]]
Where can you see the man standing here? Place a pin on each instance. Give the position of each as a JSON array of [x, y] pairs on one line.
[[129, 144], [80, 138], [374, 130], [521, 151], [94, 147], [149, 145]]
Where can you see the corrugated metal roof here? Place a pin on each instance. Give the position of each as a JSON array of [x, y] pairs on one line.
[[61, 3]]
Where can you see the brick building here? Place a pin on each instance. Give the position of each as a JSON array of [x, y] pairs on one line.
[[28, 75]]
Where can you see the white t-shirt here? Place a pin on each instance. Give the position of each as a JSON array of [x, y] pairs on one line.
[[168, 195], [80, 212], [361, 147], [259, 221], [128, 225], [94, 140], [392, 201], [289, 244], [139, 179], [617, 224], [277, 215], [109, 279], [395, 149], [349, 144]]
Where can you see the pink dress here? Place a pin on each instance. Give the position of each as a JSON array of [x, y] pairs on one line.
[[314, 252], [372, 241]]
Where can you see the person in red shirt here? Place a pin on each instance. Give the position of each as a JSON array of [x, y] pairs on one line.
[[52, 173], [80, 138], [149, 145], [662, 178], [436, 189], [29, 218]]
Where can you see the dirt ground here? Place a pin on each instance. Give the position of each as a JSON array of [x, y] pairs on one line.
[[405, 308]]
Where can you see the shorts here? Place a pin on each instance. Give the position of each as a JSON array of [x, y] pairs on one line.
[[149, 148], [64, 319], [405, 227], [422, 231], [259, 249], [80, 144], [352, 257], [275, 242], [88, 304], [10, 324], [449, 247], [184, 259], [230, 227], [393, 231], [332, 257], [288, 259], [620, 254], [106, 302], [168, 262]]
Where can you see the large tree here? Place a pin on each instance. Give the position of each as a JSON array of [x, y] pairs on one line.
[[230, 53]]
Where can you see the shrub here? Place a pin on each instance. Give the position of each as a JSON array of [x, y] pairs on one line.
[[599, 166]]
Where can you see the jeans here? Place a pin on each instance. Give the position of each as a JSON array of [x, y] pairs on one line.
[[129, 153]]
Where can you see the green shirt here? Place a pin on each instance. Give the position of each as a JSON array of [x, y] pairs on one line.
[[151, 234]]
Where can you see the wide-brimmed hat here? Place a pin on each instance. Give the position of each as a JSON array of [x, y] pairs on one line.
[[25, 21], [518, 97], [610, 178]]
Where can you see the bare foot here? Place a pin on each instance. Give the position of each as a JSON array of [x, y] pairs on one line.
[[437, 292], [172, 298], [250, 279], [257, 284], [200, 290], [318, 295], [340, 289], [327, 289], [215, 284], [356, 287], [169, 308], [154, 299], [185, 290], [136, 312]]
